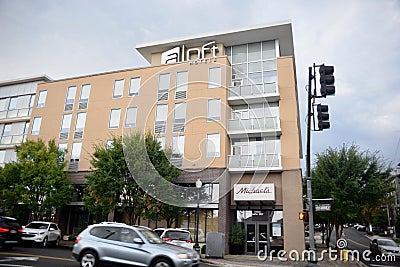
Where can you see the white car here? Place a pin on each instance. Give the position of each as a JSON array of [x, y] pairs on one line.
[[41, 233], [176, 236]]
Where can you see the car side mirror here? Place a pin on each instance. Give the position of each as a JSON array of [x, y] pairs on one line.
[[138, 240]]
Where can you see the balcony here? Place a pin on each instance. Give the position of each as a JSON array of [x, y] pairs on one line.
[[250, 94], [15, 113], [243, 128], [12, 140], [257, 162]]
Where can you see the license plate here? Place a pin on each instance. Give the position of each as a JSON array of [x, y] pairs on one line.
[[13, 231]]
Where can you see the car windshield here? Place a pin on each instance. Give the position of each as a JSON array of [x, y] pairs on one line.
[[177, 235], [151, 236], [37, 226], [387, 243]]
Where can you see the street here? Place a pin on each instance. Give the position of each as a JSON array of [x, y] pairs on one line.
[[40, 257], [357, 240]]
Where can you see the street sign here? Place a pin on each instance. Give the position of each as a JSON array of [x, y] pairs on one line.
[[323, 207]]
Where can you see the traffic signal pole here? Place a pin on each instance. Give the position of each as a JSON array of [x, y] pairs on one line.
[[311, 77]]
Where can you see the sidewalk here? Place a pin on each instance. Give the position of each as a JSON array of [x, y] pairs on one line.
[[253, 261]]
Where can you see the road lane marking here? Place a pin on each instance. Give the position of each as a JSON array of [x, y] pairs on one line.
[[13, 265], [362, 245], [19, 259], [39, 256]]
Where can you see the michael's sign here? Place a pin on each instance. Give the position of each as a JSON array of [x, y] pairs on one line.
[[177, 54], [248, 192]]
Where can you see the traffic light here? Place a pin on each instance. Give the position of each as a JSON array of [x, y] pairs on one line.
[[323, 117], [327, 80], [303, 215]]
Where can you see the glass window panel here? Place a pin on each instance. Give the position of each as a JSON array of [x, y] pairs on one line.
[[13, 103], [66, 123], [213, 145], [180, 112], [37, 121], [268, 50], [80, 121], [76, 150], [254, 51], [118, 88], [163, 82], [26, 130], [255, 78], [7, 130], [239, 68], [2, 156], [161, 112], [269, 65], [214, 77], [71, 94], [134, 86], [228, 53], [62, 147], [182, 81], [4, 103], [269, 76], [239, 54], [161, 140], [178, 145], [214, 109], [42, 99], [85, 93], [31, 101], [255, 66], [24, 101], [115, 115], [130, 119]]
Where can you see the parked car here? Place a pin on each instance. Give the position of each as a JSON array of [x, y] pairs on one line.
[[384, 246], [175, 236], [360, 227], [42, 233], [10, 232], [129, 245]]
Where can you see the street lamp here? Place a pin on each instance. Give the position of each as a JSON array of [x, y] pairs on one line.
[[196, 245]]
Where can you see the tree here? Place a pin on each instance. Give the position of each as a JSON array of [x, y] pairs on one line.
[[112, 186], [37, 179], [358, 182]]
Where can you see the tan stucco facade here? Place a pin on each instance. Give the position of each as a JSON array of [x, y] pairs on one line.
[[286, 178]]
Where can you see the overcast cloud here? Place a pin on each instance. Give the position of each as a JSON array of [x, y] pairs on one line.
[[360, 38]]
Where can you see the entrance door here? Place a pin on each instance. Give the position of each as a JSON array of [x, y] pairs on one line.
[[256, 237]]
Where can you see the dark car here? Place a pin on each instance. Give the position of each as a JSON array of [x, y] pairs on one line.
[[10, 232], [384, 246]]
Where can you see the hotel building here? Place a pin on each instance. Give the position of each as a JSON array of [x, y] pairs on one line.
[[227, 105], [16, 104]]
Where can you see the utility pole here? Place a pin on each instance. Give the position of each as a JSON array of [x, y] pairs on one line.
[[327, 88]]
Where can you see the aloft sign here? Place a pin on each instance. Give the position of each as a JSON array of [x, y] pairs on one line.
[[179, 54]]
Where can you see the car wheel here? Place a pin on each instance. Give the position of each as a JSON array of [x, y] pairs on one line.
[[44, 243], [162, 263], [57, 243], [89, 259]]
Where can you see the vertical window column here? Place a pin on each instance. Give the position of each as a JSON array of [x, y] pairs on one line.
[[181, 85], [84, 98], [130, 118], [214, 77], [80, 125], [75, 156], [65, 126], [69, 102], [118, 88], [214, 110], [161, 119], [37, 121], [41, 99], [134, 86], [179, 117], [178, 149], [163, 87], [213, 145], [115, 115]]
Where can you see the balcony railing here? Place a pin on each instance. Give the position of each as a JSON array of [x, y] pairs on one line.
[[254, 162], [12, 139], [266, 124], [15, 113], [253, 90]]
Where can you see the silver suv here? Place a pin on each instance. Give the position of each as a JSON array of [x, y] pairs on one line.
[[116, 243]]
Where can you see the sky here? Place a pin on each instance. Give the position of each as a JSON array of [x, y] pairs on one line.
[[361, 38]]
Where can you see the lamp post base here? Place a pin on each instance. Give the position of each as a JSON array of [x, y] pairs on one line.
[[196, 247]]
